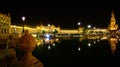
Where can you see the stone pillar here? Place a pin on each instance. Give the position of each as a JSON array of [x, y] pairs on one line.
[[27, 44]]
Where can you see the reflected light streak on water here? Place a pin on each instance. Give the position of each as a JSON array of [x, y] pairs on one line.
[[89, 44], [79, 49], [49, 47]]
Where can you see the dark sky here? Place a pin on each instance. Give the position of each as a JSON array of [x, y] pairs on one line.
[[66, 14]]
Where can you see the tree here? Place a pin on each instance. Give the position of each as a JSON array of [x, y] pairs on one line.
[[43, 32], [55, 32]]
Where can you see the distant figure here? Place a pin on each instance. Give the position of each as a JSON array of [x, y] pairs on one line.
[[27, 44]]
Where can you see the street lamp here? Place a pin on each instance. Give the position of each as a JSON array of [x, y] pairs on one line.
[[89, 26], [79, 23], [23, 18], [48, 25]]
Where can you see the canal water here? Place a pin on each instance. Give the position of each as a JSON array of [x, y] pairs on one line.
[[77, 52]]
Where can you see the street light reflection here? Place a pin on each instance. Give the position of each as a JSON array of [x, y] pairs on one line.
[[47, 41]]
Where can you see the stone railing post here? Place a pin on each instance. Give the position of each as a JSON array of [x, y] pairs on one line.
[[27, 44]]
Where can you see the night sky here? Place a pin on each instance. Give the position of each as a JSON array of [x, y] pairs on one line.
[[66, 14]]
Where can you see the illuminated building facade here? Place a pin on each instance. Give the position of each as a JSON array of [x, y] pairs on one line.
[[6, 27], [5, 22], [48, 29], [112, 25], [38, 29]]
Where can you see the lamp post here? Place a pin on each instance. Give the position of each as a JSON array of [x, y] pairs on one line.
[[89, 26], [23, 19], [79, 23], [49, 26]]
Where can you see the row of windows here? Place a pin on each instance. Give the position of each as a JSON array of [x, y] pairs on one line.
[[4, 17], [5, 22], [4, 25], [4, 31]]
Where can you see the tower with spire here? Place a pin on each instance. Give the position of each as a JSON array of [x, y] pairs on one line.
[[112, 27]]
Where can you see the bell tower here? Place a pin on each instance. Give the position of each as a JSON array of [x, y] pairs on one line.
[[112, 27]]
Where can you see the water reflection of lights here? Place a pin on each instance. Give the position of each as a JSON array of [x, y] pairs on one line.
[[53, 44], [47, 36], [49, 47], [57, 40], [38, 43], [98, 40], [104, 38], [94, 42], [113, 42], [89, 44], [79, 49], [47, 41]]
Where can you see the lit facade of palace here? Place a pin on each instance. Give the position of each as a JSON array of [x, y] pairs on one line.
[[48, 29], [5, 23], [38, 29], [19, 29], [113, 27], [7, 28]]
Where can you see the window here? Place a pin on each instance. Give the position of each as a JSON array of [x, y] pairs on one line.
[[2, 30], [5, 31]]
